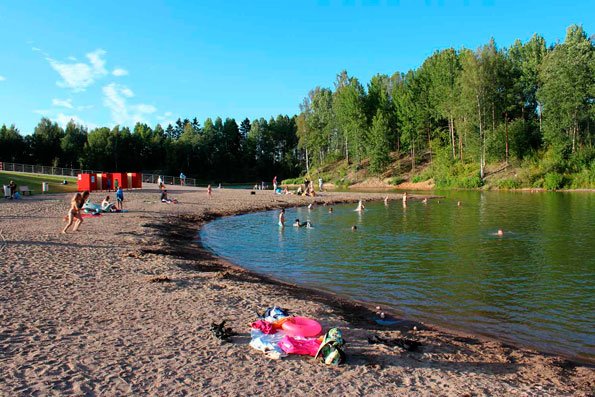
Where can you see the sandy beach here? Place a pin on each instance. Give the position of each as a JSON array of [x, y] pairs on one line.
[[123, 307]]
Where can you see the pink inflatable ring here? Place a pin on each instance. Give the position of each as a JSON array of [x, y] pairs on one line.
[[302, 326]]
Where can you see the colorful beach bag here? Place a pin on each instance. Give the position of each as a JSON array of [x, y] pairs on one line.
[[331, 351]]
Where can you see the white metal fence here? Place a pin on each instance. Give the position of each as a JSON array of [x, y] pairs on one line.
[[47, 170], [42, 169], [168, 180]]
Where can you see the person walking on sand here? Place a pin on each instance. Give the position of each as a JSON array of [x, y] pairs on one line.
[[320, 183], [120, 199], [74, 212], [275, 183], [282, 218], [210, 191]]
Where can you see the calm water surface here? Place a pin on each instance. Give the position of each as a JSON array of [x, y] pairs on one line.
[[442, 264]]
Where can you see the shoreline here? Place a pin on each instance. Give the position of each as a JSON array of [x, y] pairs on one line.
[[359, 312], [124, 307]]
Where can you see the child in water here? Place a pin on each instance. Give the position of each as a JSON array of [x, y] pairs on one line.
[[360, 206]]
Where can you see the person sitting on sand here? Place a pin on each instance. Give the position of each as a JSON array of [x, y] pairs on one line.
[[74, 212], [360, 206], [166, 199], [106, 206]]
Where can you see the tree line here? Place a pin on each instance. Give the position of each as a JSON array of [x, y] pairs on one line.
[[529, 104], [216, 151]]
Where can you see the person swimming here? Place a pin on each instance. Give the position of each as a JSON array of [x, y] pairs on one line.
[[425, 200], [353, 228], [306, 224], [330, 210], [500, 232], [386, 200], [282, 218]]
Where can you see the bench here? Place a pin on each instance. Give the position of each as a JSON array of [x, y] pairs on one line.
[[25, 189]]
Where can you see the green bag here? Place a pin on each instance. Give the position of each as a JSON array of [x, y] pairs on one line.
[[331, 351]]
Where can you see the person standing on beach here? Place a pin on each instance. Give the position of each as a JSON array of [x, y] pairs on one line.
[[13, 188], [282, 218], [108, 184], [320, 184], [120, 199], [210, 191], [275, 183]]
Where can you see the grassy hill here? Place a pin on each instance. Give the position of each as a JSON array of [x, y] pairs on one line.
[[430, 172], [33, 181]]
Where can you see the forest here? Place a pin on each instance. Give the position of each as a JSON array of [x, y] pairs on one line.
[[529, 107]]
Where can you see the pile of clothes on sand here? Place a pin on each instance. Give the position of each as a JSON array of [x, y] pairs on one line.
[[277, 334]]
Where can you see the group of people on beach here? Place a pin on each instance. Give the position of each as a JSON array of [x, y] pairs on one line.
[[77, 205]]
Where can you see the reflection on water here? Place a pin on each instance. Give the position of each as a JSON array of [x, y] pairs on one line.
[[442, 263]]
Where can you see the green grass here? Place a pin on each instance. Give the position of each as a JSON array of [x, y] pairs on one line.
[[34, 181]]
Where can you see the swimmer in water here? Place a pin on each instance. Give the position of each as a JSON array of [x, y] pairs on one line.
[[360, 206], [330, 210], [425, 200], [310, 206], [353, 228], [386, 200], [458, 203], [282, 218], [500, 232]]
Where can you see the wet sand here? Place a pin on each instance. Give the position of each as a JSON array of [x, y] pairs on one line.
[[123, 307]]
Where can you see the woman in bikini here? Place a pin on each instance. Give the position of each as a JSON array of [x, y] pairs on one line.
[[76, 206]]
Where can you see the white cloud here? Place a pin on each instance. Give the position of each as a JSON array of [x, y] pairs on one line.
[[64, 119], [118, 72], [127, 92], [2, 78], [66, 103], [115, 96], [144, 108], [84, 107], [42, 112], [78, 76], [165, 119]]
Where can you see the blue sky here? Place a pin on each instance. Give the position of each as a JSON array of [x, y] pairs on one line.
[[117, 62]]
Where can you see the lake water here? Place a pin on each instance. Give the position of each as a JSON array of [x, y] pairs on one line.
[[440, 263]]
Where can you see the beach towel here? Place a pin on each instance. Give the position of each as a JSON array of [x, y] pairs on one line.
[[90, 215]]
